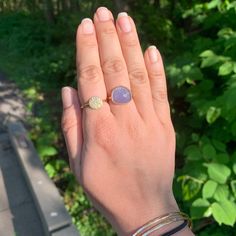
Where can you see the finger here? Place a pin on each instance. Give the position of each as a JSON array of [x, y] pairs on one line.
[[72, 127], [135, 64], [157, 79], [111, 57], [90, 81]]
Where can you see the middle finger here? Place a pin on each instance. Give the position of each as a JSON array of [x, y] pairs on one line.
[[111, 57]]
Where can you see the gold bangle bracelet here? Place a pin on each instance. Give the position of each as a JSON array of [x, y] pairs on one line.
[[159, 222]]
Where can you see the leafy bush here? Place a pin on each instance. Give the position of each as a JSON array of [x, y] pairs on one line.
[[205, 103]]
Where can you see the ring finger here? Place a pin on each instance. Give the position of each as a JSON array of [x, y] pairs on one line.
[[90, 81]]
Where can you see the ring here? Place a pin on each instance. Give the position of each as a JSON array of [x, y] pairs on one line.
[[94, 103], [120, 95]]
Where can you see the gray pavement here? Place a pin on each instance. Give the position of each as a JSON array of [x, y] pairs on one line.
[[25, 206], [12, 104], [18, 214]]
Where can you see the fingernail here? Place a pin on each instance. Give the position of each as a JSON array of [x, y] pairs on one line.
[[122, 14], [87, 26], [103, 14], [124, 23], [152, 53], [67, 99]]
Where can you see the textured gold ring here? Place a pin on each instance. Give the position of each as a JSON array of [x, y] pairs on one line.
[[94, 103]]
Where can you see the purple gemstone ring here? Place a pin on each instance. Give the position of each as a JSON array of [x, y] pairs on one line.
[[120, 95]]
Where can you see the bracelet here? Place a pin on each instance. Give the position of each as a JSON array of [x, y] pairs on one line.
[[175, 230], [159, 222]]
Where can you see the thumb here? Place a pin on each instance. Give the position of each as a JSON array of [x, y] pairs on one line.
[[72, 127]]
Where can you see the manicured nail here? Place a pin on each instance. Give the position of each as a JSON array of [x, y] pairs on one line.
[[87, 26], [103, 14], [124, 23], [152, 53], [122, 14], [67, 99]]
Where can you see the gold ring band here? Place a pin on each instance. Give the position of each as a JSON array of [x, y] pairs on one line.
[[94, 103]]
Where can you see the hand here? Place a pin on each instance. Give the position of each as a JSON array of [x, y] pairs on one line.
[[122, 155]]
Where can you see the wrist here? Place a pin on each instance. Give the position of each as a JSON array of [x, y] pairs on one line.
[[132, 218], [186, 231]]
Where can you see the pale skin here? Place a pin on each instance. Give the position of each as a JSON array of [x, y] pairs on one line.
[[122, 155]]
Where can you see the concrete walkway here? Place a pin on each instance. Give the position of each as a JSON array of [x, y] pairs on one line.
[[30, 204], [18, 215], [12, 104]]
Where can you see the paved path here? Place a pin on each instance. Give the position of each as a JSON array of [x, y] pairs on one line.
[[12, 105], [30, 204], [18, 214]]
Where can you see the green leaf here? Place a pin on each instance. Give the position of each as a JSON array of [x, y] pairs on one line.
[[195, 137], [221, 193], [226, 68], [47, 151], [233, 129], [212, 114], [208, 212], [234, 168], [50, 170], [207, 53], [218, 172], [59, 164], [234, 67], [224, 212], [219, 145], [225, 32], [190, 186], [222, 158], [193, 152], [213, 4], [209, 61], [199, 208], [233, 187], [208, 152], [209, 189]]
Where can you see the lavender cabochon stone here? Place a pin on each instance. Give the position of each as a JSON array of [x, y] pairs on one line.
[[121, 95]]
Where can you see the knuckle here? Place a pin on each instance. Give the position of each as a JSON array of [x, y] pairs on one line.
[[160, 96], [157, 75], [131, 43], [109, 30], [112, 66], [88, 43], [138, 76], [89, 73], [68, 122]]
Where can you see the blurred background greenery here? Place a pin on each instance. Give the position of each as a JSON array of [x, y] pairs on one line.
[[198, 43]]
